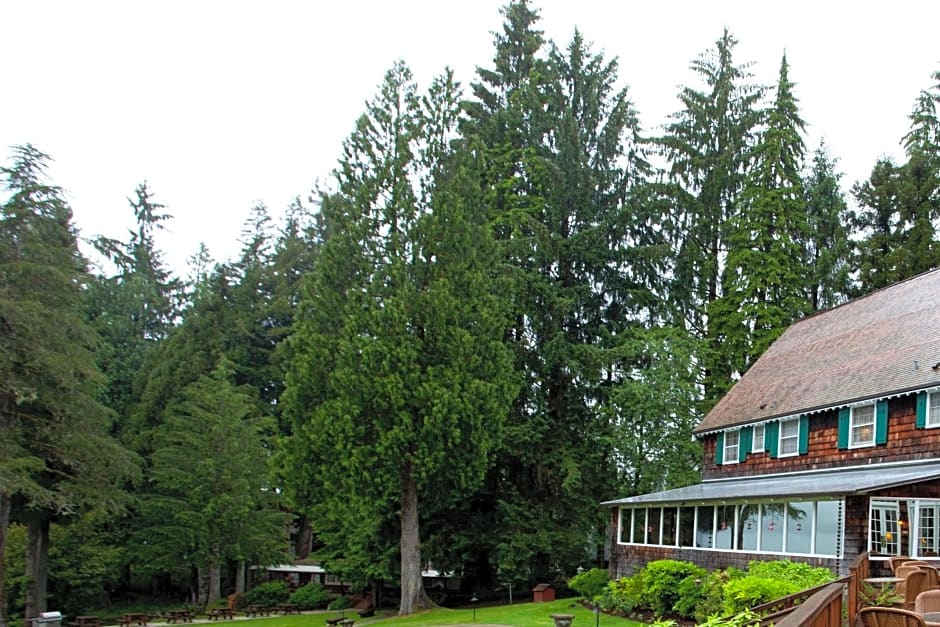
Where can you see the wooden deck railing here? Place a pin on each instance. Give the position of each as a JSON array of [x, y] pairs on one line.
[[820, 606]]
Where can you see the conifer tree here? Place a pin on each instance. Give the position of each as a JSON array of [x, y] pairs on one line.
[[762, 281], [708, 147], [56, 455], [827, 247], [398, 379]]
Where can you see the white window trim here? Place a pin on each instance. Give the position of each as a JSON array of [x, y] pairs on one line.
[[780, 438], [763, 439], [931, 396], [874, 426], [733, 459]]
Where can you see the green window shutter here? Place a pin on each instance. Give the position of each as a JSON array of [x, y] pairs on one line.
[[720, 448], [772, 438], [881, 422], [922, 410], [804, 434], [744, 444], [844, 427]]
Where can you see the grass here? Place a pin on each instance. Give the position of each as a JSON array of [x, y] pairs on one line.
[[516, 615]]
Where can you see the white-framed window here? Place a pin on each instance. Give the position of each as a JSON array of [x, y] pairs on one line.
[[797, 527], [789, 437], [862, 426], [732, 446], [933, 409], [757, 444]]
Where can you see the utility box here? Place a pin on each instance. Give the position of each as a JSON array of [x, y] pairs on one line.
[[543, 592], [48, 619]]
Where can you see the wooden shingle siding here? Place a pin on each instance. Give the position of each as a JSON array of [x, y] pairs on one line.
[[905, 442]]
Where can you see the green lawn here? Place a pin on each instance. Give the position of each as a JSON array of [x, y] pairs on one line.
[[516, 615]]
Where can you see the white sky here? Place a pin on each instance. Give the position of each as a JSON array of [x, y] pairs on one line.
[[219, 104]]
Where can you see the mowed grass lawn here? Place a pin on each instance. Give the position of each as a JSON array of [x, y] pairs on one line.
[[515, 615]]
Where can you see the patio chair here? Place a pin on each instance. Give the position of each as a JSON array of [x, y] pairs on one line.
[[912, 585], [890, 617], [927, 601], [897, 560]]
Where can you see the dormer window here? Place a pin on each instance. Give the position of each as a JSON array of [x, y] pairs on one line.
[[862, 426], [731, 447]]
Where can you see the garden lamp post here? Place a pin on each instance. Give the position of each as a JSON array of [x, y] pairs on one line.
[[473, 602], [597, 614]]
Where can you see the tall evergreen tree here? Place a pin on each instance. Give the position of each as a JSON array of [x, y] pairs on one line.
[[56, 454], [708, 147], [398, 374], [827, 247], [762, 281]]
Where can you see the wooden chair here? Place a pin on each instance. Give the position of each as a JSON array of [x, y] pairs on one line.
[[912, 585], [933, 578], [897, 560], [927, 601], [890, 617]]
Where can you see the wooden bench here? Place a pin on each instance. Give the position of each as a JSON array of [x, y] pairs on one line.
[[332, 622], [366, 613]]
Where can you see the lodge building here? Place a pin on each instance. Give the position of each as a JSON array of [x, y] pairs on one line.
[[827, 447]]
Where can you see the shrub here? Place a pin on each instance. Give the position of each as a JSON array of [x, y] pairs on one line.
[[712, 604], [624, 595], [660, 581], [749, 591], [312, 596], [340, 603], [589, 584], [268, 593], [801, 575]]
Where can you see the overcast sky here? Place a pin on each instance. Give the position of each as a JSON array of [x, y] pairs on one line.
[[220, 104]]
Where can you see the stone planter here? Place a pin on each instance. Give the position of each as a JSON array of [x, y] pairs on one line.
[[562, 620]]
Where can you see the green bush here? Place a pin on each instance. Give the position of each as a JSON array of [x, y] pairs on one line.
[[768, 581], [801, 575], [623, 595], [312, 596], [589, 584], [340, 603], [268, 593], [660, 582], [713, 592]]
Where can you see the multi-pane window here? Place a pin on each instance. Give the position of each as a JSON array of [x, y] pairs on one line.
[[757, 445], [933, 409], [862, 426], [789, 436], [883, 536], [793, 528], [732, 442], [927, 529]]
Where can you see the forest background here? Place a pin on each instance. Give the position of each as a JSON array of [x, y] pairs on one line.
[[507, 304]]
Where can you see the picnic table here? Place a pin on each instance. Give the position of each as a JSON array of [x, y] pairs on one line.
[[85, 621], [134, 618], [287, 608], [220, 613], [184, 616], [258, 610]]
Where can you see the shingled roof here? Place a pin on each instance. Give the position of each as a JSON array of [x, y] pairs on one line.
[[885, 343]]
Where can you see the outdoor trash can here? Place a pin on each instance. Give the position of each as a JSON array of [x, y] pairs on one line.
[[48, 619]]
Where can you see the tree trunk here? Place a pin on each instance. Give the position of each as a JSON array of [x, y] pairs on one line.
[[37, 563], [304, 539], [202, 586], [413, 595], [4, 525], [215, 579], [240, 576]]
